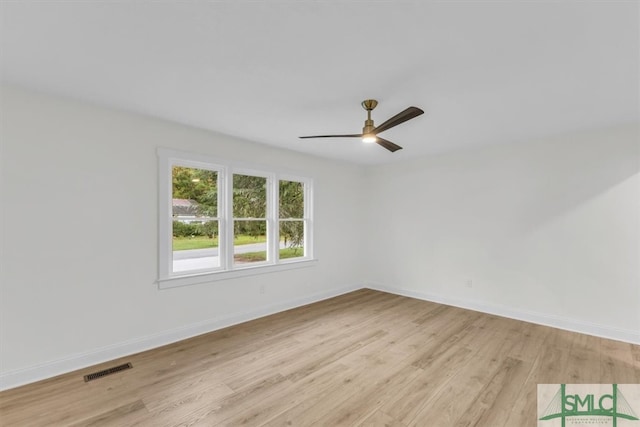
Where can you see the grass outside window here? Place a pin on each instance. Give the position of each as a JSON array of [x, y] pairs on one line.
[[204, 242]]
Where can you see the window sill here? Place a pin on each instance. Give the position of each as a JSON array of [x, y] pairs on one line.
[[194, 279]]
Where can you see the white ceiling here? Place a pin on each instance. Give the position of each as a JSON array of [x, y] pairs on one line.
[[269, 71]]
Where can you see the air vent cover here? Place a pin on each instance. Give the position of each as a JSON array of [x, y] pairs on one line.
[[106, 372]]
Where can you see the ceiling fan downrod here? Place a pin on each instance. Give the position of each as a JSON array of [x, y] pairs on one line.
[[369, 105]]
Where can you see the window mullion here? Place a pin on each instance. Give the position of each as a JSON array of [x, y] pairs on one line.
[[227, 247], [308, 226], [274, 222]]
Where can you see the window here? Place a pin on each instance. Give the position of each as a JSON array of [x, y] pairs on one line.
[[292, 220], [194, 215], [219, 219], [249, 219]]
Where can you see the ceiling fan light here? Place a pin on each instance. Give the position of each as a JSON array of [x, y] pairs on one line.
[[368, 138]]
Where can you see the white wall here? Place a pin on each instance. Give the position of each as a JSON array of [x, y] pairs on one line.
[[79, 237], [546, 230]]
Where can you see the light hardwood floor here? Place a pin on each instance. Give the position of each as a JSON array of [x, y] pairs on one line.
[[362, 359]]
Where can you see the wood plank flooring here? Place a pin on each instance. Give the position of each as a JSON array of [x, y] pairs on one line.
[[362, 359]]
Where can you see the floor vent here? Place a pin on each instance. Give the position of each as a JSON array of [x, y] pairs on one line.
[[106, 372]]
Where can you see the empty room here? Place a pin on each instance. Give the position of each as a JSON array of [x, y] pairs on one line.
[[334, 213]]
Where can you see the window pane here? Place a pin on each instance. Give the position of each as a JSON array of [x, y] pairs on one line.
[[195, 245], [249, 196], [291, 199], [249, 241], [195, 193], [291, 239]]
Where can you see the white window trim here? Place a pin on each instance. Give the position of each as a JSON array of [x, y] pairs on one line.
[[167, 279]]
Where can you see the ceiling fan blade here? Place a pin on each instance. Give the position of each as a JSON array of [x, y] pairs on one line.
[[353, 135], [401, 117], [387, 144]]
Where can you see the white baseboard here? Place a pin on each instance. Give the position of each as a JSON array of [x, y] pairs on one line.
[[630, 336], [74, 362]]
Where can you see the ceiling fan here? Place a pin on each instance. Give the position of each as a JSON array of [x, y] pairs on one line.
[[370, 132]]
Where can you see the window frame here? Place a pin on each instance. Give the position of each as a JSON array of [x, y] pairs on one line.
[[225, 169]]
